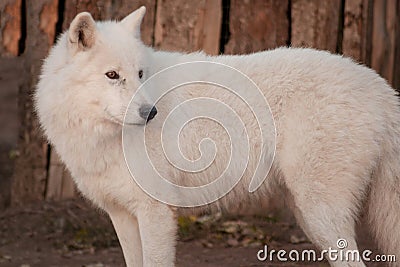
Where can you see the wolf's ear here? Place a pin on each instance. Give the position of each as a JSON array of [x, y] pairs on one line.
[[133, 21], [82, 32]]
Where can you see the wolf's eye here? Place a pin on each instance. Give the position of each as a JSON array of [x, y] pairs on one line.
[[112, 75], [140, 73]]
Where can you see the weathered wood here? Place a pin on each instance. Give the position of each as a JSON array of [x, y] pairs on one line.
[[55, 176], [257, 25], [208, 29], [356, 31], [120, 9], [98, 9], [383, 38], [9, 87], [30, 168], [59, 182], [188, 25], [48, 19], [68, 186], [315, 23], [116, 10], [10, 27]]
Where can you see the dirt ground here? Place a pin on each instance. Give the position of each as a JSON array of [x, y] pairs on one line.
[[72, 233]]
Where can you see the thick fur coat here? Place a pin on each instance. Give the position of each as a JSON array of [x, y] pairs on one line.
[[337, 136]]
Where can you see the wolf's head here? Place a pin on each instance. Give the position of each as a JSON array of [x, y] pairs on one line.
[[92, 72]]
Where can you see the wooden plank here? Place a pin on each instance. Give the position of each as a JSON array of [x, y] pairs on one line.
[[257, 25], [356, 31], [188, 25], [367, 37], [54, 179], [383, 38], [116, 10], [48, 19], [10, 27], [98, 9], [68, 186], [10, 71], [208, 30], [59, 181], [120, 9], [392, 16], [315, 23], [29, 177]]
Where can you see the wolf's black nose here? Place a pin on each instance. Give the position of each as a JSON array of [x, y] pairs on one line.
[[147, 112], [152, 114]]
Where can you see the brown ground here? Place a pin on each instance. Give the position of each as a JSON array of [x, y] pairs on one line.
[[72, 233]]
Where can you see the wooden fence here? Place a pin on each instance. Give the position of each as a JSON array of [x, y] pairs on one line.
[[366, 30]]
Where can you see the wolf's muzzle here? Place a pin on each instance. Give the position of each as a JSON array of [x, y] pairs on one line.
[[147, 112]]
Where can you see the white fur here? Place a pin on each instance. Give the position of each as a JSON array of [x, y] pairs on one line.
[[338, 137]]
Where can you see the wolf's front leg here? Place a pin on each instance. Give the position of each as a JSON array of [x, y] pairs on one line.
[[127, 229], [157, 226]]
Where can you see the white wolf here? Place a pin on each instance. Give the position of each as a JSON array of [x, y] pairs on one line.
[[337, 123]]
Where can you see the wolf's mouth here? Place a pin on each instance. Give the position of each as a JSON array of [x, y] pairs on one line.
[[115, 120]]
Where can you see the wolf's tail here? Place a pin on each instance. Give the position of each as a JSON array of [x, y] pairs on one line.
[[384, 198]]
